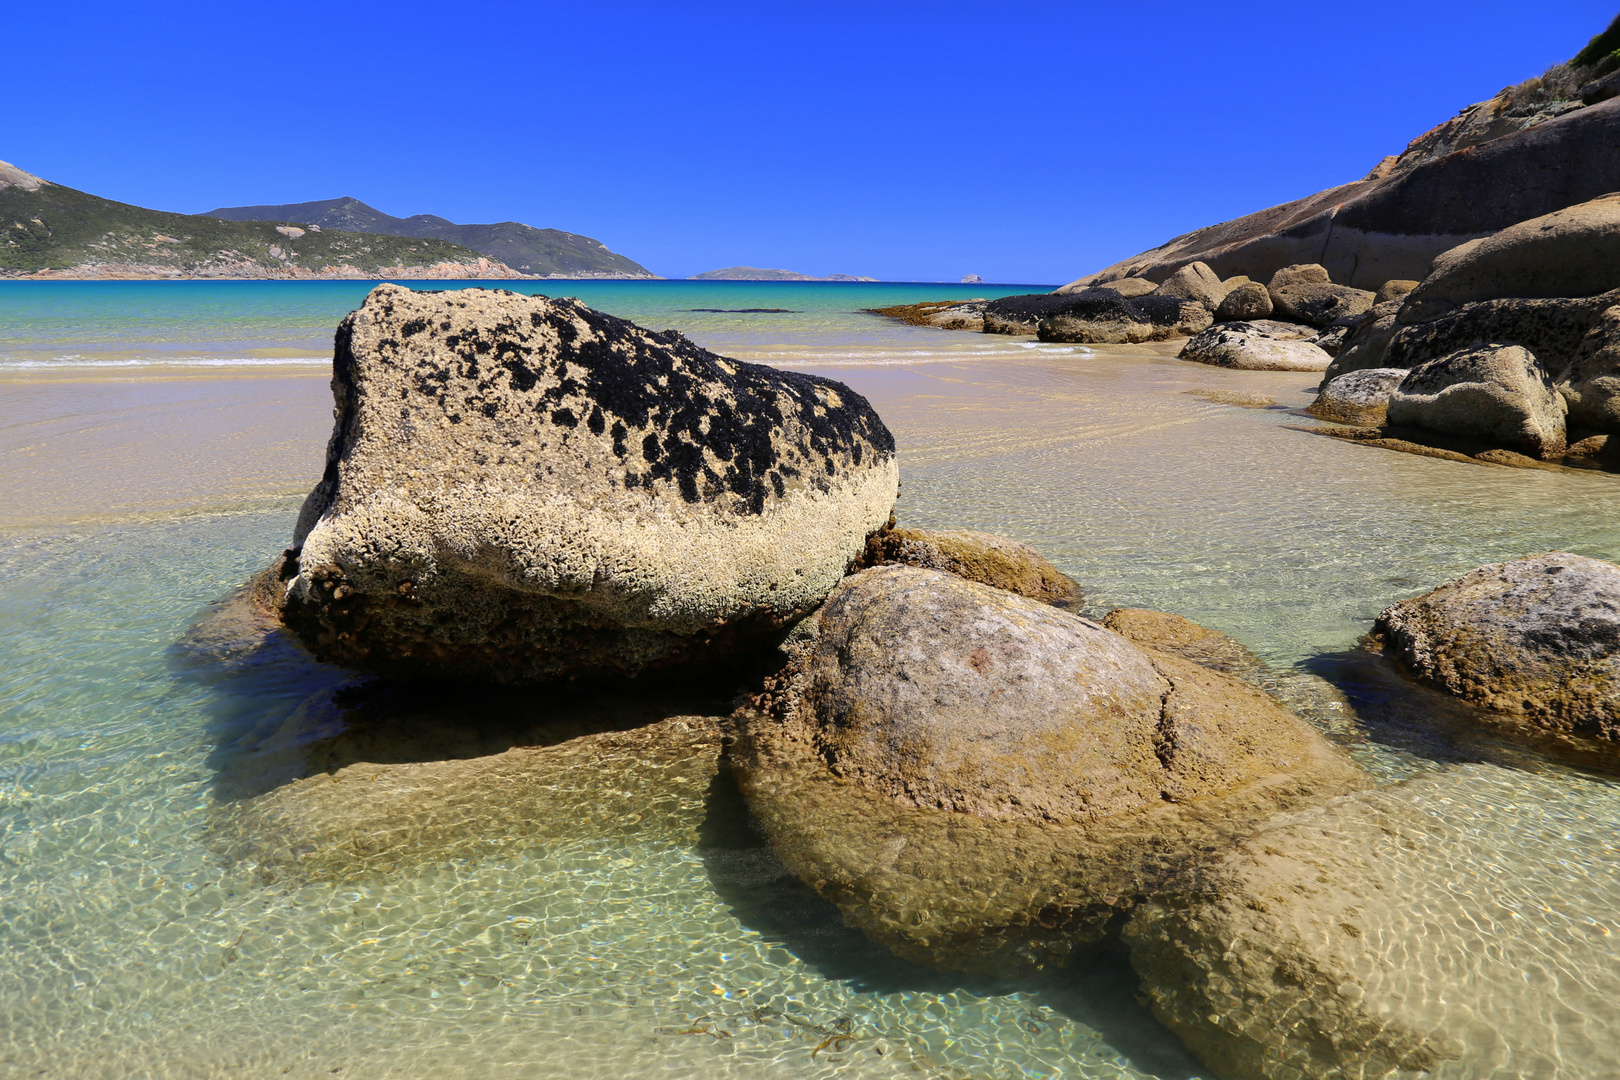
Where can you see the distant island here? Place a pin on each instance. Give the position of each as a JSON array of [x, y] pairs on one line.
[[755, 273], [549, 253]]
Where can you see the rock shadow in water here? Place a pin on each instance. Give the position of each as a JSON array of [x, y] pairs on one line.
[[278, 715], [1396, 710], [765, 896]]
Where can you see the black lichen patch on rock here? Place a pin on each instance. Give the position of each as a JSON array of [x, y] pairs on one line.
[[520, 488]]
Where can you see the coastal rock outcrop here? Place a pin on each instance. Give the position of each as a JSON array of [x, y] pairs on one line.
[[521, 489], [1357, 397], [1496, 394], [1591, 382], [1535, 640], [1394, 223], [1245, 302], [982, 782], [1254, 347], [997, 561], [1570, 252], [1022, 314], [1103, 317]]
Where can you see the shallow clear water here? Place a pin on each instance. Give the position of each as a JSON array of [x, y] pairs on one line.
[[134, 943]]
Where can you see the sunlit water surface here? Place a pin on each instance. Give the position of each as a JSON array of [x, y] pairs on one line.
[[143, 485]]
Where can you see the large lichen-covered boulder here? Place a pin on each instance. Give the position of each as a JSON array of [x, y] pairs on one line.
[[1535, 640], [1574, 251], [1591, 381], [1251, 347], [997, 561], [521, 489], [1366, 343], [1457, 922], [1494, 394], [983, 782], [1319, 304]]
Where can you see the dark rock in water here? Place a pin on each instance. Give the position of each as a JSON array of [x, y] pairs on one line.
[[1357, 397], [983, 782], [1246, 302], [1254, 347], [1553, 329], [1591, 381], [944, 314], [521, 489], [1021, 314], [1392, 226], [1496, 394], [1571, 252], [1536, 640], [1103, 317], [990, 560]]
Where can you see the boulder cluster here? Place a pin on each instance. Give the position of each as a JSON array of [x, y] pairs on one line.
[[523, 490], [1512, 341]]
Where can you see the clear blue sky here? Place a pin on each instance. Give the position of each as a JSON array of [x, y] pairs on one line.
[[1027, 142]]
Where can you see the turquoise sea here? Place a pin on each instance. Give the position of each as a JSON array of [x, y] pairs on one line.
[[158, 438]]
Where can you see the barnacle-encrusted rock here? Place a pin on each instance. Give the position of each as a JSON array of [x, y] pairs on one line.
[[520, 489], [1536, 640], [981, 781]]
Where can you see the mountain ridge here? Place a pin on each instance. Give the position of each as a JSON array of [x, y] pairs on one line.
[[49, 230], [548, 253]]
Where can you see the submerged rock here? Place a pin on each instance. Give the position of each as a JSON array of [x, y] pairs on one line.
[[521, 489], [1250, 347], [990, 560], [1357, 397], [1418, 927], [379, 815], [1536, 640], [983, 782], [1180, 636], [1495, 394]]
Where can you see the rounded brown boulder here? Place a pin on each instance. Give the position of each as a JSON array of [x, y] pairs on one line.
[[992, 560], [983, 782], [1535, 640]]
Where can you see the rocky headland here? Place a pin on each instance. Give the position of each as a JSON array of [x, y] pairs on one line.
[[1479, 265]]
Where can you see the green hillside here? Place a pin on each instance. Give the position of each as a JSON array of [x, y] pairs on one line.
[[48, 227], [542, 252]]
